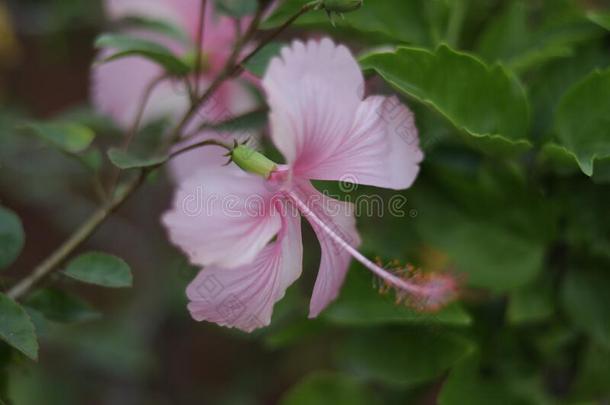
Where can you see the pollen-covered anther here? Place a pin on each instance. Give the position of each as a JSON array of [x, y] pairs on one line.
[[438, 290], [427, 292], [378, 284]]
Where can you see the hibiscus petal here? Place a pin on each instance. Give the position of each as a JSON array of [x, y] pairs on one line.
[[244, 297], [219, 32], [326, 131], [334, 262], [382, 149], [118, 87], [314, 91], [180, 12], [223, 216]]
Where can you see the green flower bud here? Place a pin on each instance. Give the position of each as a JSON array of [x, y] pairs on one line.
[[341, 6], [252, 161]]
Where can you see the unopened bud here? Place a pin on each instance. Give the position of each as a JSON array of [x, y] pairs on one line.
[[252, 161]]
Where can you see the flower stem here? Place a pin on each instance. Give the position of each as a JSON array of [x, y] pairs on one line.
[[77, 238], [135, 126], [388, 277], [200, 38], [209, 142], [233, 69]]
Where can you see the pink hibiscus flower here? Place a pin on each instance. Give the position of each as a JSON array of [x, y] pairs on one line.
[[246, 228], [119, 86]]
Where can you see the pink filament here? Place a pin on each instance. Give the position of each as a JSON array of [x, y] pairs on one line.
[[435, 291]]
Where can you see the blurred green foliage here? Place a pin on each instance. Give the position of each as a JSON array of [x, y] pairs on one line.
[[513, 105]]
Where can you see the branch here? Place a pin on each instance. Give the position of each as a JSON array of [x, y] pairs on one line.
[[78, 237], [233, 69], [99, 216], [209, 142], [200, 38], [135, 125]]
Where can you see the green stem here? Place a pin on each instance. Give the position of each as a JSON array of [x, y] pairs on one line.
[[133, 130], [209, 142], [233, 69], [78, 237], [200, 38]]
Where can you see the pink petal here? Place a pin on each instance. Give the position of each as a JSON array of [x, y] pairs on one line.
[[118, 86], [244, 297], [222, 216], [382, 149], [180, 12], [219, 31], [334, 262], [326, 131], [314, 91]]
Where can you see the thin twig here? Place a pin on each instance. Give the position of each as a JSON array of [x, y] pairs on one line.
[[199, 50], [141, 109], [233, 69], [209, 142], [225, 123], [135, 126], [78, 237]]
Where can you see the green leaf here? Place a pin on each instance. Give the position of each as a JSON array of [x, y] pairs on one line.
[[592, 379], [512, 39], [394, 21], [67, 136], [259, 63], [126, 46], [158, 26], [328, 388], [100, 269], [600, 18], [466, 384], [550, 83], [285, 335], [360, 304], [92, 160], [236, 8], [246, 123], [16, 328], [402, 356], [11, 237], [125, 160], [558, 158], [487, 104], [60, 306], [586, 230], [585, 299], [582, 122], [532, 303], [492, 227], [564, 162], [88, 117]]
